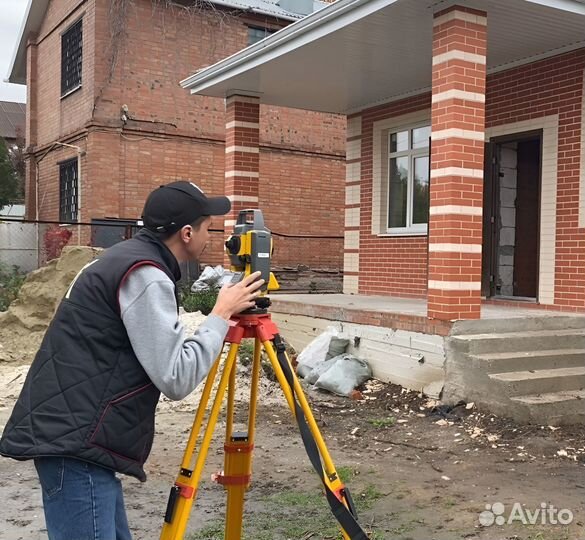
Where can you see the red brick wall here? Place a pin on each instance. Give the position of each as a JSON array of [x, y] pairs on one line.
[[398, 266], [552, 86], [395, 266], [170, 134], [302, 197], [58, 116]]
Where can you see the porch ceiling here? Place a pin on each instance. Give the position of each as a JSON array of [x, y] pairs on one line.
[[356, 53]]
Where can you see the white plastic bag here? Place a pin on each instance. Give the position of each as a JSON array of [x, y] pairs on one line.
[[315, 352], [344, 375], [213, 277]]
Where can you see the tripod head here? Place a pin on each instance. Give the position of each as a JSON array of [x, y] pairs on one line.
[[250, 250]]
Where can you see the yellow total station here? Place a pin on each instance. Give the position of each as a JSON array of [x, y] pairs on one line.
[[250, 248]]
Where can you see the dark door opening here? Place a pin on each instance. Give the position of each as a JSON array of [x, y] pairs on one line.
[[511, 222]]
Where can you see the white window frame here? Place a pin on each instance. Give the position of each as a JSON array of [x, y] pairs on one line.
[[380, 130], [410, 228]]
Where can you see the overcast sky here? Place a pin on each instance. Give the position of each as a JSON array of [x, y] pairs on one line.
[[11, 15]]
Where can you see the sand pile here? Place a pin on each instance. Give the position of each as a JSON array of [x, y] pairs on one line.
[[22, 327]]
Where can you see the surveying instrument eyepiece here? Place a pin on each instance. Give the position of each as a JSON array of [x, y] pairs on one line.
[[250, 250]]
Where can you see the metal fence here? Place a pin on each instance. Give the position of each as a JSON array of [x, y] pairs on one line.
[[29, 245]]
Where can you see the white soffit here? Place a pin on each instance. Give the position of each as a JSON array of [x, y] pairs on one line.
[[346, 63]]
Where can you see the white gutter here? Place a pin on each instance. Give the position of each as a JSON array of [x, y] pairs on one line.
[[572, 6], [310, 28]]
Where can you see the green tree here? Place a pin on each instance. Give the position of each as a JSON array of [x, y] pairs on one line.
[[10, 189]]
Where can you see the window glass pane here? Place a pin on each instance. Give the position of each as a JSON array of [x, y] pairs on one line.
[[257, 34], [398, 192], [399, 141], [420, 137], [71, 58], [68, 191], [420, 198]]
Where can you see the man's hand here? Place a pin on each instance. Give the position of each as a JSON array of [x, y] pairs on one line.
[[233, 299]]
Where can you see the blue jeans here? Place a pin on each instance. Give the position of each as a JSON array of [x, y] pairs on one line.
[[82, 501]]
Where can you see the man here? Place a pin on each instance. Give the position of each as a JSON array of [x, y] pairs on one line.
[[87, 407]]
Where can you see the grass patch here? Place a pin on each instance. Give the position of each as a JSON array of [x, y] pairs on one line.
[[212, 531], [295, 514], [246, 352], [11, 279], [368, 497], [345, 473], [382, 422], [203, 301]]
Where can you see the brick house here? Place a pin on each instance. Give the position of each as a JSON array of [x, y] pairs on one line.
[[473, 137], [107, 121], [12, 120], [464, 252]]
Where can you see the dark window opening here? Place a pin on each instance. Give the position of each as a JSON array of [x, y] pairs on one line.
[[258, 34], [71, 52], [68, 191]]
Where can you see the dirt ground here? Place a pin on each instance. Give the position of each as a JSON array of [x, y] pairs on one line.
[[417, 471]]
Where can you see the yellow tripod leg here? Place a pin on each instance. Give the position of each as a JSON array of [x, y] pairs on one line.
[[185, 489], [238, 457], [331, 477]]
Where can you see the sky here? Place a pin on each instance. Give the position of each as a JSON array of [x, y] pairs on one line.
[[11, 16]]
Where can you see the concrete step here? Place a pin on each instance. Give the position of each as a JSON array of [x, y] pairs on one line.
[[532, 340], [519, 324], [553, 408], [529, 360], [522, 383]]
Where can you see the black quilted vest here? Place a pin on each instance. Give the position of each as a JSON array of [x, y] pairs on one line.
[[86, 395]]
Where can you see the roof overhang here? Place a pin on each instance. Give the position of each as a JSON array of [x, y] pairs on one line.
[[36, 9], [356, 53], [35, 13]]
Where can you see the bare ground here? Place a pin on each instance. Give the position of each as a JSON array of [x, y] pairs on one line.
[[417, 471]]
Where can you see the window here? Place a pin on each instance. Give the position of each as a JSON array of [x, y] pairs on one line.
[[68, 190], [71, 52], [258, 34], [408, 180]]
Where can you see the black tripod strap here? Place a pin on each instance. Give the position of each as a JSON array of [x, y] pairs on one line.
[[345, 518]]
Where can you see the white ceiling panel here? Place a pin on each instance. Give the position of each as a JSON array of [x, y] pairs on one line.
[[382, 55]]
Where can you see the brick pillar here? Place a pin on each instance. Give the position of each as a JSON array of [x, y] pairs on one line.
[[242, 155], [458, 125]]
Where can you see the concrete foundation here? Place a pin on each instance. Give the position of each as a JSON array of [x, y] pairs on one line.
[[518, 363]]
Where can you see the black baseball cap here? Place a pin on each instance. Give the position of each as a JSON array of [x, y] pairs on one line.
[[174, 205]]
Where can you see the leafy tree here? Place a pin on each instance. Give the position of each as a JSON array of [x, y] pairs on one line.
[[10, 185], [18, 162]]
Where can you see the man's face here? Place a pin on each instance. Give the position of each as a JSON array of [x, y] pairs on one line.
[[198, 240]]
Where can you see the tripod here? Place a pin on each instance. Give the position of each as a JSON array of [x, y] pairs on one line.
[[255, 323]]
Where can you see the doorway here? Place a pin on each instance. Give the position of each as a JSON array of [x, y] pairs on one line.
[[511, 224]]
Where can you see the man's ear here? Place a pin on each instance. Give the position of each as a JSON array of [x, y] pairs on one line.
[[186, 232]]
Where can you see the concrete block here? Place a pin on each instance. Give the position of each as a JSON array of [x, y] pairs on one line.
[[508, 197], [509, 156], [507, 236], [507, 217], [506, 260]]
